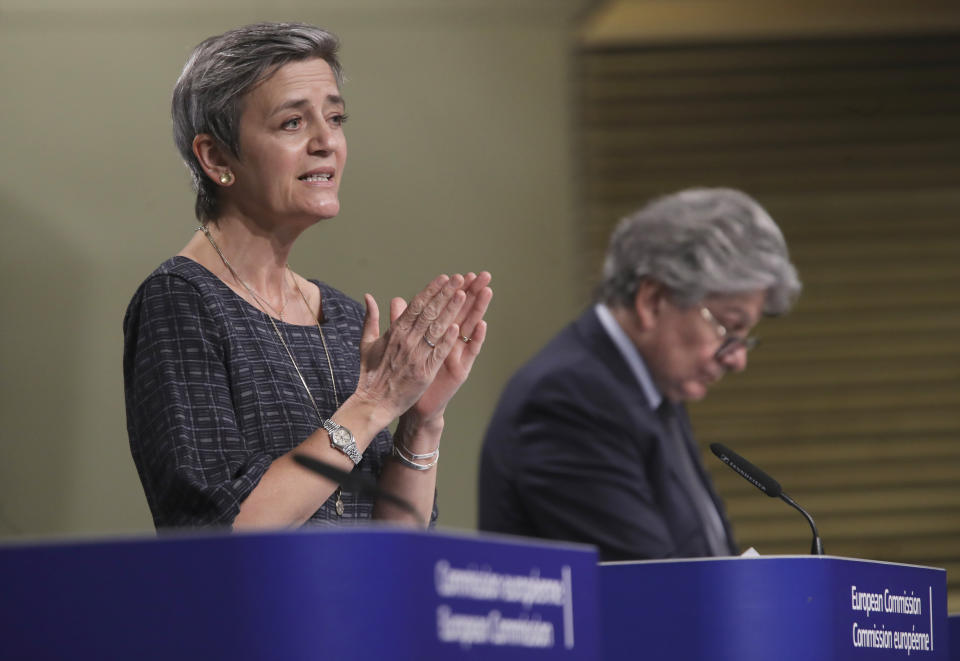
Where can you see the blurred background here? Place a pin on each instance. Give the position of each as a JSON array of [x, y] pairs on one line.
[[510, 136]]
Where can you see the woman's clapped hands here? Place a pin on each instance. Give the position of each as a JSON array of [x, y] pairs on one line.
[[421, 360], [458, 362]]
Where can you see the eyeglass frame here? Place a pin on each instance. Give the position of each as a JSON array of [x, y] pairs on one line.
[[728, 341]]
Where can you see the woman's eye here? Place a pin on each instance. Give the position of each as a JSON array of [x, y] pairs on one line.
[[338, 119], [292, 123]]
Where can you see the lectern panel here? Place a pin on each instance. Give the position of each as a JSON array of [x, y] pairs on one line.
[[345, 594], [785, 608]]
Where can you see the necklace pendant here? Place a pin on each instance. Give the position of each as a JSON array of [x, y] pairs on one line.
[[339, 504]]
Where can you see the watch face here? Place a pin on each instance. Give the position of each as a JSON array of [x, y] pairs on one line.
[[341, 436]]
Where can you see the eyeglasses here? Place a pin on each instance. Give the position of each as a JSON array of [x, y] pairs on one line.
[[729, 342]]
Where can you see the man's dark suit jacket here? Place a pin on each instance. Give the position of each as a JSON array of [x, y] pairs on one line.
[[574, 452]]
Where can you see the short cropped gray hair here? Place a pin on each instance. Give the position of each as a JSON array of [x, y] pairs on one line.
[[208, 96], [700, 242]]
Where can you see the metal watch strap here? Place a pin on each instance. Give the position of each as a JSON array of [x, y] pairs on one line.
[[351, 450]]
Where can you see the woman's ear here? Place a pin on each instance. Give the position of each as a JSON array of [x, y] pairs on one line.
[[647, 301], [212, 159]]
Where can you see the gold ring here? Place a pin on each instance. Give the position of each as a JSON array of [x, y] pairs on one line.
[[467, 340]]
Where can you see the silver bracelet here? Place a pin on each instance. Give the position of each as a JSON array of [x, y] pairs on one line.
[[411, 464], [414, 455]]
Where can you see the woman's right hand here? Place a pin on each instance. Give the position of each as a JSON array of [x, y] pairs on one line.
[[398, 366]]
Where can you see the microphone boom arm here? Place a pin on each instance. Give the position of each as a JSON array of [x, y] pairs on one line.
[[816, 547], [766, 484], [361, 482]]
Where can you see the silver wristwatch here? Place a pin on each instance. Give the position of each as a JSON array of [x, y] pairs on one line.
[[342, 439]]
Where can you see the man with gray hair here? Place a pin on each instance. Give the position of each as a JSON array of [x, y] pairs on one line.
[[590, 441]]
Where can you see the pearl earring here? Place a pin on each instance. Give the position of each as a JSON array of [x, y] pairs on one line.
[[226, 178]]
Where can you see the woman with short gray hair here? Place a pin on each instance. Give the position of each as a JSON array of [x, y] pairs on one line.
[[233, 363], [208, 96]]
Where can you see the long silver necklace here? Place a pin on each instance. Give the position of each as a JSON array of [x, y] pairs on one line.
[[323, 340]]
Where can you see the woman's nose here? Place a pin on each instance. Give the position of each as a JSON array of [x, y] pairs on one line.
[[324, 140]]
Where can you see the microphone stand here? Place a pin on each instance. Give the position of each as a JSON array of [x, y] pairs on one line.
[[766, 484], [816, 548]]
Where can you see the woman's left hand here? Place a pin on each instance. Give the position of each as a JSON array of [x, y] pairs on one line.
[[456, 367]]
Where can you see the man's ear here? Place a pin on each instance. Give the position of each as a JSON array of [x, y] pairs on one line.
[[211, 157], [647, 301]]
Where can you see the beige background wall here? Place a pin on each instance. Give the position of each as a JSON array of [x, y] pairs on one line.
[[459, 159]]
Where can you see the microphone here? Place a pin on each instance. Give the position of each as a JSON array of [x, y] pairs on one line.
[[766, 484], [358, 482]]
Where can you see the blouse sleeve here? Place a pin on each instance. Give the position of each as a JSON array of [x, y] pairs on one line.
[[184, 437]]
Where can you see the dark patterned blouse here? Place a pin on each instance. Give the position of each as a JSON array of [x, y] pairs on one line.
[[212, 397]]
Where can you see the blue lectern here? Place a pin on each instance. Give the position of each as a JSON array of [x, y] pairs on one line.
[[368, 593], [954, 624], [783, 608]]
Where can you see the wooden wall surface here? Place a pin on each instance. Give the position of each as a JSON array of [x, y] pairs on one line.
[[852, 401]]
